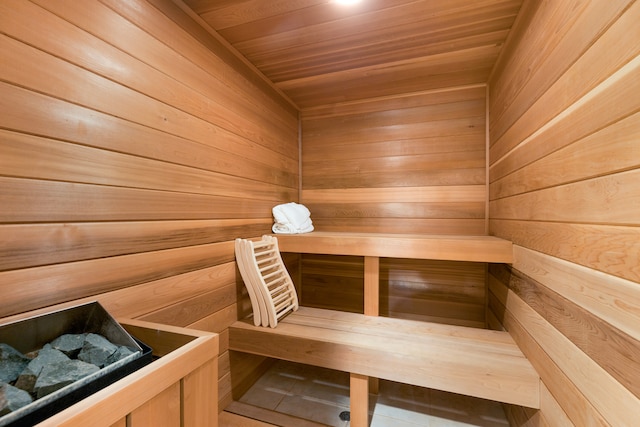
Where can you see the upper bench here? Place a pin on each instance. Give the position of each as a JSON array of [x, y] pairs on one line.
[[415, 246]]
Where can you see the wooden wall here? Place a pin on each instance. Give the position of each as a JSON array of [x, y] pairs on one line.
[[565, 187], [134, 147], [413, 163]]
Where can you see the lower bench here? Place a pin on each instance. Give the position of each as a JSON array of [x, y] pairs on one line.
[[475, 362]]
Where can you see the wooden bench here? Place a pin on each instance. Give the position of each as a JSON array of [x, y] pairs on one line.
[[373, 246], [476, 362]]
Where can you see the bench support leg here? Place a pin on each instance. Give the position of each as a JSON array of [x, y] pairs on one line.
[[371, 285], [359, 400]]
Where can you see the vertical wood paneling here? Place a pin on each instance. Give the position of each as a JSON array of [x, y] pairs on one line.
[[564, 187], [404, 164], [133, 149]]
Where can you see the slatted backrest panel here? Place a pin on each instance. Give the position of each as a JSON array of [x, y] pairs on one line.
[[267, 280]]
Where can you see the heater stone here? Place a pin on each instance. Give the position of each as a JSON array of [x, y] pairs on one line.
[[47, 355], [69, 344], [12, 398], [97, 350], [59, 374], [12, 362]]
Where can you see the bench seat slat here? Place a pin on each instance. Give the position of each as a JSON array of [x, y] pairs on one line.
[[475, 362], [414, 246]]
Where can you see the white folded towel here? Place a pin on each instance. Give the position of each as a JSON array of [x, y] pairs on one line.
[[291, 218]]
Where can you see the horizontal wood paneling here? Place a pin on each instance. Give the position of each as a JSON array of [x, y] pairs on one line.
[[134, 148], [401, 164], [564, 188]]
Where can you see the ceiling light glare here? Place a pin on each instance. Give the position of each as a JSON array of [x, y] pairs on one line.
[[346, 2]]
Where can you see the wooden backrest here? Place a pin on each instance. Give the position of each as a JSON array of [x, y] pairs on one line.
[[268, 283]]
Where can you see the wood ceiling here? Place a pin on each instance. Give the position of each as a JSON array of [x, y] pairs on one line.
[[318, 52]]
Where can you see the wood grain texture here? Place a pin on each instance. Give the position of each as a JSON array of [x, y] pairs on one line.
[[319, 53], [610, 347], [408, 164], [478, 362], [609, 398], [563, 186], [415, 246], [153, 390], [135, 148]]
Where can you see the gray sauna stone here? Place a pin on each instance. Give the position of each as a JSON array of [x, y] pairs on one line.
[[12, 363], [97, 350], [12, 398], [69, 344], [59, 374], [47, 355], [120, 354]]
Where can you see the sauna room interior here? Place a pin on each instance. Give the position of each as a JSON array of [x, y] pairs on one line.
[[140, 138]]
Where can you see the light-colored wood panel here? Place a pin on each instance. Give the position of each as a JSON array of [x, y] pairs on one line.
[[359, 400], [434, 247], [70, 281], [572, 401], [615, 147], [601, 107], [32, 113], [609, 200], [615, 300], [571, 58], [601, 390], [121, 423], [365, 28], [382, 347], [355, 177], [611, 348], [471, 106], [424, 129], [285, 65], [398, 210], [407, 164], [161, 411], [612, 250], [404, 146], [429, 276], [422, 194], [434, 310], [197, 394], [551, 411], [291, 41], [54, 77], [48, 201], [407, 226], [90, 165], [469, 66], [371, 285], [32, 245], [193, 309], [394, 102], [254, 86], [204, 95], [218, 322]]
